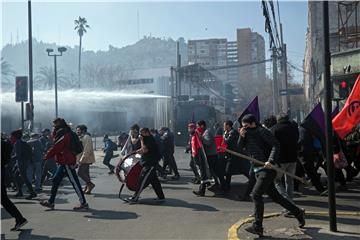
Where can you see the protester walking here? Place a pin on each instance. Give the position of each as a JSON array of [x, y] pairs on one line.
[[208, 142], [199, 156], [49, 166], [109, 153], [20, 221], [167, 138], [287, 134], [253, 141], [35, 168], [150, 156], [85, 158], [23, 154], [66, 146]]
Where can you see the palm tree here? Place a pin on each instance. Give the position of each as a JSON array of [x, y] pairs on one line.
[[45, 78], [81, 26], [7, 73]]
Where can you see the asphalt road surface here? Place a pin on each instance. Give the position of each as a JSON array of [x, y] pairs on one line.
[[181, 216]]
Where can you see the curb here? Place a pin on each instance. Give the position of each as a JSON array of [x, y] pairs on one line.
[[233, 230]]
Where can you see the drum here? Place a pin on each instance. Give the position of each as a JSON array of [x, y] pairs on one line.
[[128, 171]]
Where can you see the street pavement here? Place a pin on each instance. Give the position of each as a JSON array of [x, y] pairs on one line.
[[181, 216]]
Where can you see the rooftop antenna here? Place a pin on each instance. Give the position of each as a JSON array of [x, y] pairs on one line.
[[138, 24], [17, 35]]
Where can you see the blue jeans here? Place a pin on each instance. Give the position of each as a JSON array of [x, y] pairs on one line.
[[35, 170], [60, 173]]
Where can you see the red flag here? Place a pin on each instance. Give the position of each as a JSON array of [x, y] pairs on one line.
[[349, 116]]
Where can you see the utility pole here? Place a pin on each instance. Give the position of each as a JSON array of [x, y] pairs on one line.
[[56, 92], [328, 120], [275, 82], [31, 90], [285, 100], [178, 66], [172, 103]]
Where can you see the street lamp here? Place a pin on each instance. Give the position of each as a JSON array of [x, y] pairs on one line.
[[51, 53]]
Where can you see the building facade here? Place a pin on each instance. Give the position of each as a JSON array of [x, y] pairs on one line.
[[344, 26], [251, 48]]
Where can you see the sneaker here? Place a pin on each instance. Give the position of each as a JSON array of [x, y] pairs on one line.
[[79, 207], [38, 190], [31, 196], [19, 224], [301, 218], [47, 204], [111, 172], [255, 230], [89, 188]]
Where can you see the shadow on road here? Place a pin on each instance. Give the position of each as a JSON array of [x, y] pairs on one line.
[[343, 220], [321, 204], [26, 234], [104, 214], [111, 215], [171, 202], [315, 233]]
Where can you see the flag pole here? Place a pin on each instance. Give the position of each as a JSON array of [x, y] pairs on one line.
[[328, 120], [302, 180]]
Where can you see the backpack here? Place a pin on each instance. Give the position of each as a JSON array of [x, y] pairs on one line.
[[76, 146]]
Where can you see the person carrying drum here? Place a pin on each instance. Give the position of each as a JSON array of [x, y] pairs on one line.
[[150, 156]]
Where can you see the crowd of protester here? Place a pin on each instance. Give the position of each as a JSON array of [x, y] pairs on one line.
[[36, 159]]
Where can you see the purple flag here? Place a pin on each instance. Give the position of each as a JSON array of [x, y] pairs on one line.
[[253, 108], [315, 123]]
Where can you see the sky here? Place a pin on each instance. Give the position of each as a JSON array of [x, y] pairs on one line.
[[116, 23]]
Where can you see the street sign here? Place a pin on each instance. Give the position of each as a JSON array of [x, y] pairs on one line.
[[291, 91], [21, 89]]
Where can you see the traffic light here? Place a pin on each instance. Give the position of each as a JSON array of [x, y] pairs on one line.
[[343, 89], [21, 89], [29, 112]]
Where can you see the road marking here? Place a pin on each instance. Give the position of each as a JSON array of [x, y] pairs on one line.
[[233, 230]]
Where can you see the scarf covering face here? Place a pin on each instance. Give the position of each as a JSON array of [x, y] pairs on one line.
[[196, 143]]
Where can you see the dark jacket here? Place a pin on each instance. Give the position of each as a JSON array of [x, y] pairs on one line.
[[208, 140], [168, 143], [108, 147], [6, 149], [231, 138], [287, 134], [37, 150], [256, 144], [159, 143], [152, 156], [23, 153], [61, 149]]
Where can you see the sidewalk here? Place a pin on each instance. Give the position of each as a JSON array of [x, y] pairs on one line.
[[277, 226]]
